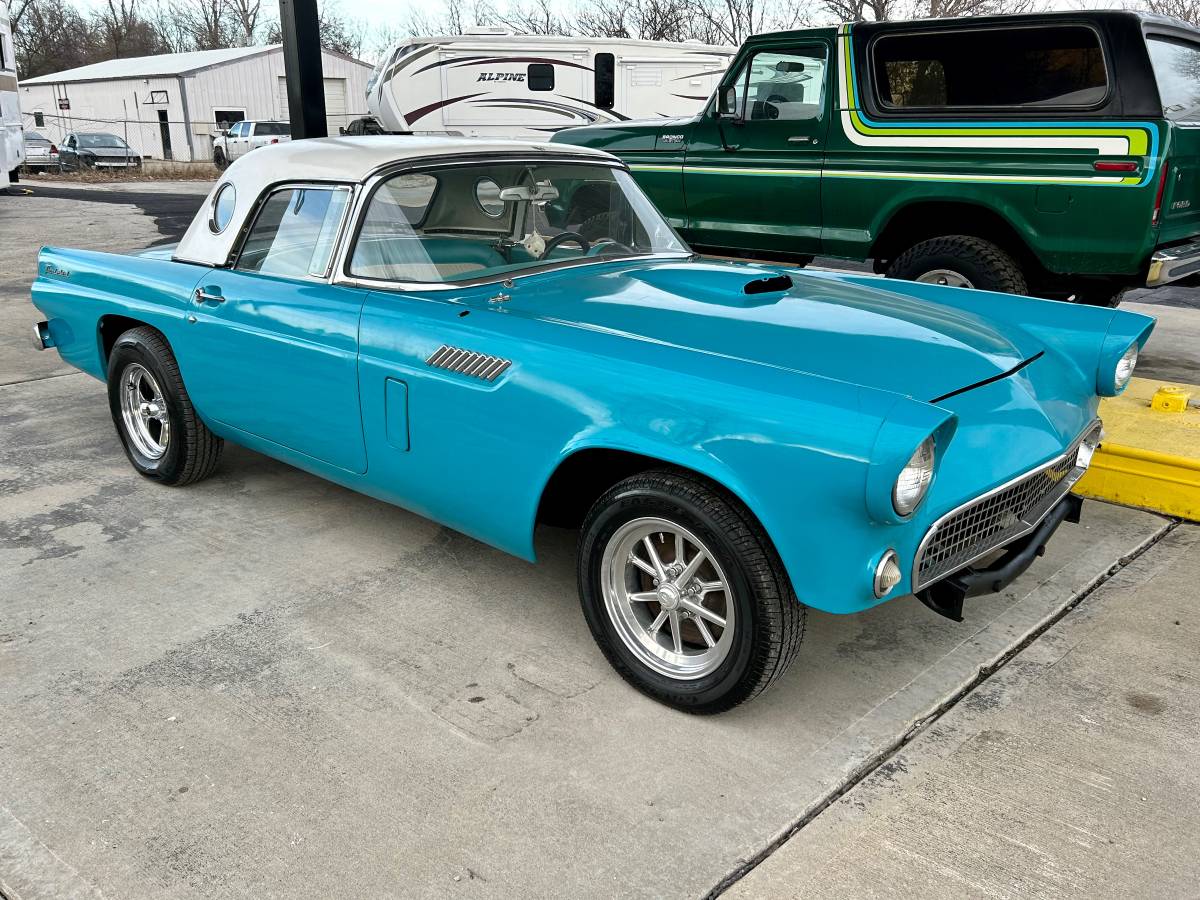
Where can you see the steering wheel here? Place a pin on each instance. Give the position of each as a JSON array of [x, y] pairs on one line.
[[599, 245], [564, 237]]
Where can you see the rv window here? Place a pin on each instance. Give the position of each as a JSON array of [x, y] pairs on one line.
[[1176, 67], [541, 77], [605, 79], [1048, 66]]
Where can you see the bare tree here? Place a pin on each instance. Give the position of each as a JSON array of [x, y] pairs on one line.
[[1187, 10], [123, 31], [49, 36], [536, 17], [342, 35], [247, 17]]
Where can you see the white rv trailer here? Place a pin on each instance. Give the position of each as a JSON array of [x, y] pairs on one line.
[[12, 147], [495, 83]]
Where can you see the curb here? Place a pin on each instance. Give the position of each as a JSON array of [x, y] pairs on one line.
[[1150, 457]]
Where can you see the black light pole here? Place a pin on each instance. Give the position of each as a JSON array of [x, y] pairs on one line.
[[302, 66]]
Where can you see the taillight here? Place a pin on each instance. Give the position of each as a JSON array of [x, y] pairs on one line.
[[53, 150], [1158, 198], [274, 140], [1108, 165]]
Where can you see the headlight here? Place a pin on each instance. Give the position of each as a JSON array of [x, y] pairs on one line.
[[914, 479], [1125, 366]]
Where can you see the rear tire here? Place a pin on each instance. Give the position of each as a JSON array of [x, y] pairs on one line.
[[158, 426], [962, 261], [713, 647], [1101, 295]]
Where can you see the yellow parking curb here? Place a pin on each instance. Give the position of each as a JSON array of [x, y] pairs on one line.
[[1150, 454]]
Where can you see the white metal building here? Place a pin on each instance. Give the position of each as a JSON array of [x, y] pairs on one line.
[[170, 106]]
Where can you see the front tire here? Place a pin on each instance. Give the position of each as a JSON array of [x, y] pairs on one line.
[[684, 593], [158, 426], [960, 260]]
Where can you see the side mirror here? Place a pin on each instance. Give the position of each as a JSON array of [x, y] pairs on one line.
[[341, 129], [727, 101]]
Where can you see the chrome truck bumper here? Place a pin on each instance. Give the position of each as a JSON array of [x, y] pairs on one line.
[[1172, 263]]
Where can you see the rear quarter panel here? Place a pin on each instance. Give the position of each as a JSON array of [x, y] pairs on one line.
[[77, 289]]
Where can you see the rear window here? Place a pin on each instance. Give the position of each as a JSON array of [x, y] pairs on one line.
[[1055, 66], [272, 128], [1177, 70]]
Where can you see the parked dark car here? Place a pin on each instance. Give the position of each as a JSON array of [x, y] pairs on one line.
[[82, 150], [40, 153]]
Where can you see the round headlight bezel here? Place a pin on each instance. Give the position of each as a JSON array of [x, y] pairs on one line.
[[912, 484], [1123, 370]]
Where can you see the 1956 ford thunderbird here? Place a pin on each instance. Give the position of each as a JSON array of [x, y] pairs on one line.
[[500, 334]]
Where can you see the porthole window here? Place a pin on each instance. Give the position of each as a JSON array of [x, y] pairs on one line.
[[222, 208], [487, 195]]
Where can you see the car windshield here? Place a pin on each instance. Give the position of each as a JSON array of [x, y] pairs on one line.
[[272, 128], [464, 223], [102, 140]]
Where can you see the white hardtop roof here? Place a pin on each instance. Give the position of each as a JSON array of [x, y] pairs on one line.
[[348, 160], [162, 65]]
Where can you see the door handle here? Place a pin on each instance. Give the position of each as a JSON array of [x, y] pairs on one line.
[[803, 139], [203, 296]]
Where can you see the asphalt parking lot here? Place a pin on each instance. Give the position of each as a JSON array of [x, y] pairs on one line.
[[266, 685]]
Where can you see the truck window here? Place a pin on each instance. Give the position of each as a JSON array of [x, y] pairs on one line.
[[1176, 67], [541, 77], [605, 80], [781, 85], [294, 233], [1048, 66]]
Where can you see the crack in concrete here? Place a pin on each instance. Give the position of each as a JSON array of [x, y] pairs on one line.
[[886, 755]]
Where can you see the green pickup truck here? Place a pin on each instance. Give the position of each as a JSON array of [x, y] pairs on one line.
[[1055, 154]]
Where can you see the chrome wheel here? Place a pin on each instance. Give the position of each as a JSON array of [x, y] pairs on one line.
[[947, 277], [668, 598], [144, 411]]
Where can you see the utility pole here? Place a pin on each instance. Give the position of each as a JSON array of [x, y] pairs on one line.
[[301, 30]]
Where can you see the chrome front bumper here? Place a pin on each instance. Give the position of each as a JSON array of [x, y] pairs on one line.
[[1172, 263]]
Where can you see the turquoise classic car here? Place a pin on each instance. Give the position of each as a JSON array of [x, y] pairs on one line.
[[501, 334]]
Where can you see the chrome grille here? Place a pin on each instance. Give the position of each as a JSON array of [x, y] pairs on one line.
[[468, 362], [983, 525]]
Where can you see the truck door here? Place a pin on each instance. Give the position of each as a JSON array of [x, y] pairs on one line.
[[752, 177]]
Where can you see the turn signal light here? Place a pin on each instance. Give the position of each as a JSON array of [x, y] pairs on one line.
[[1108, 165]]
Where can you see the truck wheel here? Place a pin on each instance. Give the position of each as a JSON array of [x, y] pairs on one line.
[[685, 594], [960, 260], [1100, 295], [219, 160], [162, 435]]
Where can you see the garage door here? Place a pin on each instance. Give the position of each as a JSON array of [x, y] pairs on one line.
[[335, 102]]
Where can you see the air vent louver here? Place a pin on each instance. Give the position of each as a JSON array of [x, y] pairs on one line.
[[468, 362]]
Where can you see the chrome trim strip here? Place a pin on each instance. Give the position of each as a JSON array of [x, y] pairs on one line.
[[1093, 428]]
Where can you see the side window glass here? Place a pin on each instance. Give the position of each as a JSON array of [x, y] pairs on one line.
[[787, 86], [294, 233], [541, 77]]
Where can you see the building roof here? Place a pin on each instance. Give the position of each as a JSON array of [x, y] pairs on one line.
[[163, 65], [347, 160]]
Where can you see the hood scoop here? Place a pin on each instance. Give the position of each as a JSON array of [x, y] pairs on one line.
[[773, 284]]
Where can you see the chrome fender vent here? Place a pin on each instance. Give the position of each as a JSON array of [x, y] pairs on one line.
[[468, 362]]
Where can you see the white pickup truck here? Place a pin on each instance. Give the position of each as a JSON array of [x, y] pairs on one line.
[[242, 137]]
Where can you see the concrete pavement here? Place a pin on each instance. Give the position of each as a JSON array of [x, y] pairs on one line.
[[1071, 772], [266, 685]]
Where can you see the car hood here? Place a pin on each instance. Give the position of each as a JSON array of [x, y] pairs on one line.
[[821, 325]]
